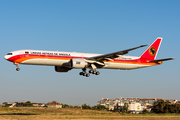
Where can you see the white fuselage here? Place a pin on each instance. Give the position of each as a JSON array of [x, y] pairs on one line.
[[57, 58]]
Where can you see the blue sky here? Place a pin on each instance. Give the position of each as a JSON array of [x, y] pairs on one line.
[[91, 26]]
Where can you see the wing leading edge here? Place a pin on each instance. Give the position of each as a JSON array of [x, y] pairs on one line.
[[111, 56]]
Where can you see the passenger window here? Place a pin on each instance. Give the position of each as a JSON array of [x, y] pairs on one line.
[[26, 52]]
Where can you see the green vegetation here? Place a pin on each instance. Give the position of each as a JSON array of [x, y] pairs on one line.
[[84, 106], [165, 107], [5, 104], [121, 109], [26, 104], [68, 106], [87, 107], [98, 107], [20, 104]]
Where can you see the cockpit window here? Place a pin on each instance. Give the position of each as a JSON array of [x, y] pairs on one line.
[[9, 54]]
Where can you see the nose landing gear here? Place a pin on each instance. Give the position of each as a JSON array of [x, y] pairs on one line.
[[17, 69], [17, 65]]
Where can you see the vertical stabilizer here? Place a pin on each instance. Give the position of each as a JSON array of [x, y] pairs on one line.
[[152, 51]]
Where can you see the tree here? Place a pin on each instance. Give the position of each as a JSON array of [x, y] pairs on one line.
[[101, 107], [28, 104], [5, 104], [145, 111], [84, 106], [125, 108], [65, 106], [165, 107]]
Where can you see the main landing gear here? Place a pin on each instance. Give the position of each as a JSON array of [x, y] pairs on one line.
[[94, 72], [84, 73]]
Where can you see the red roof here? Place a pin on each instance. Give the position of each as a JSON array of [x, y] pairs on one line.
[[160, 99], [103, 99]]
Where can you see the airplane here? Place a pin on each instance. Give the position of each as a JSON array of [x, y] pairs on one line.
[[65, 61]]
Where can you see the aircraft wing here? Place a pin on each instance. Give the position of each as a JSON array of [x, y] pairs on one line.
[[111, 56]]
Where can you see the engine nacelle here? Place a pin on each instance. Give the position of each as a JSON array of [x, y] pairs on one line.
[[78, 63], [61, 69]]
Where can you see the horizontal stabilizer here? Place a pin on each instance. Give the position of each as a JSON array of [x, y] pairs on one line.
[[161, 60]]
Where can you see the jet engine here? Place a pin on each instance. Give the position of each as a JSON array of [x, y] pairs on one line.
[[78, 63], [61, 69]]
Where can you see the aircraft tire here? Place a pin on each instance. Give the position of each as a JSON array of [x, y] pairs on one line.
[[90, 71], [84, 74], [87, 75], [81, 73], [97, 73], [17, 69]]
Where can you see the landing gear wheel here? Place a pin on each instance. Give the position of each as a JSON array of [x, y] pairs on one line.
[[81, 73], [17, 69], [84, 74], [94, 72], [87, 75], [90, 71], [97, 73]]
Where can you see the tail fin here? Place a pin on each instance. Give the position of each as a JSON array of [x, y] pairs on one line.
[[152, 51]]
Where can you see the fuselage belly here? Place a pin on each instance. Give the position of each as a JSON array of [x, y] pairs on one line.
[[108, 65]]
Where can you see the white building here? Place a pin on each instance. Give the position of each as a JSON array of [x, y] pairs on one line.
[[135, 107]]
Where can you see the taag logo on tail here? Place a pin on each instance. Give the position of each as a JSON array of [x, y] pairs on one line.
[[152, 51]]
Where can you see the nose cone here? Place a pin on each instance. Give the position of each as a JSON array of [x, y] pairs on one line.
[[6, 57]]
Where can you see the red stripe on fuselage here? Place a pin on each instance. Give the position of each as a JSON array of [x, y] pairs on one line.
[[23, 57]]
